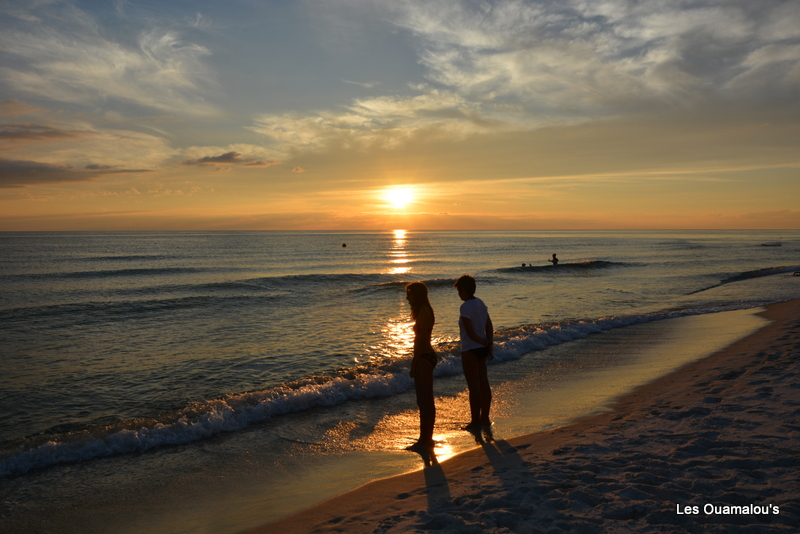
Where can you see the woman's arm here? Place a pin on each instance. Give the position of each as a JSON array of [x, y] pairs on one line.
[[423, 329]]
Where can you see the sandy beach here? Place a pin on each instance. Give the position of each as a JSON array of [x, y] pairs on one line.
[[712, 447]]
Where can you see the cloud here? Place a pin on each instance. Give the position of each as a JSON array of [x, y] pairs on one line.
[[365, 85], [383, 122], [592, 56], [16, 108], [517, 65], [66, 56], [230, 158], [34, 132], [20, 173], [61, 147], [79, 147]]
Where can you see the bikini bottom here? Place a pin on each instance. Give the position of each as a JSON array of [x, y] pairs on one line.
[[430, 357]]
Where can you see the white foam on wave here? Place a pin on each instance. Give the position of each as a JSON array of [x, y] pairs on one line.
[[236, 412]]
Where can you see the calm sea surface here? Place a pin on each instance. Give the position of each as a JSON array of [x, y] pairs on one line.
[[115, 343]]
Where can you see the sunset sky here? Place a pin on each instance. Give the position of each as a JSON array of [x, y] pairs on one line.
[[416, 114]]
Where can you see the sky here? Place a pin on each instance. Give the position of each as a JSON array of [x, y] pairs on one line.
[[417, 114]]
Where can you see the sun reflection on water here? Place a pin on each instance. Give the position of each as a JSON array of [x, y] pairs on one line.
[[399, 259], [444, 449], [399, 336]]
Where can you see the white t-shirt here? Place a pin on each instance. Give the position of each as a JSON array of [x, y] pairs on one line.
[[477, 312]]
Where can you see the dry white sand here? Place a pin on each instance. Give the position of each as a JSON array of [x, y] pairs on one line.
[[712, 447]]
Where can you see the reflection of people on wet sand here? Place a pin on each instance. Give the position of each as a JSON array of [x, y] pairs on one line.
[[476, 348], [423, 362], [554, 260]]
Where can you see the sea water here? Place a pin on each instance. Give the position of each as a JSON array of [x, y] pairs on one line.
[[121, 343]]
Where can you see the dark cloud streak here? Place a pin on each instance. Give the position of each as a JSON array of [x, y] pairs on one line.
[[21, 173], [230, 158], [28, 131]]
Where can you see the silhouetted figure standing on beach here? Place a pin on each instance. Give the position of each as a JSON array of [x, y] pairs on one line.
[[423, 362], [477, 333], [554, 260]]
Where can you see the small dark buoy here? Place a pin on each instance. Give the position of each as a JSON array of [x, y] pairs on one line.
[[344, 244]]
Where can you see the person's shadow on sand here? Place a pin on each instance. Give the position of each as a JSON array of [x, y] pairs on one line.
[[436, 487], [508, 465]]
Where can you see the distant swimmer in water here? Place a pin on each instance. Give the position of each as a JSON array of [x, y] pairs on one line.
[[554, 260]]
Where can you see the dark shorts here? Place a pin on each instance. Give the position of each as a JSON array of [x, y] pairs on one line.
[[480, 353]]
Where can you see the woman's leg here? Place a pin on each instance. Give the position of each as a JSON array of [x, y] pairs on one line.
[[423, 384]]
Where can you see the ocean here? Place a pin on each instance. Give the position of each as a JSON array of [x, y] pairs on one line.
[[127, 356]]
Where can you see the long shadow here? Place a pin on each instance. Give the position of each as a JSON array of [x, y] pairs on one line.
[[436, 487], [503, 457]]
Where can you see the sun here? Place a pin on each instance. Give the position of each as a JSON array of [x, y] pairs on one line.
[[399, 197]]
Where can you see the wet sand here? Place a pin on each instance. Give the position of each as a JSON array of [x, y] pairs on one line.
[[711, 447]]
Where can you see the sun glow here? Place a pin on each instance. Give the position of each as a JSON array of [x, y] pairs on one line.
[[399, 197]]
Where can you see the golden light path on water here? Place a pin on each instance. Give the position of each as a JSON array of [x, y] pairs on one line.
[[398, 334], [396, 430], [399, 259]]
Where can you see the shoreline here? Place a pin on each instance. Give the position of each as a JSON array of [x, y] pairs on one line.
[[245, 479], [722, 431]]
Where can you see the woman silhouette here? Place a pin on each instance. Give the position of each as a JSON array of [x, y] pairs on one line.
[[423, 362]]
